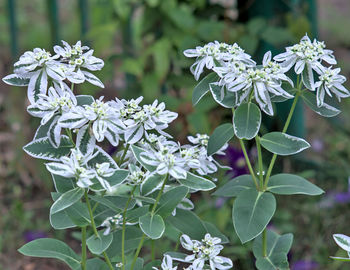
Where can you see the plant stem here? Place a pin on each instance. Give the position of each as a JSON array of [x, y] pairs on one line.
[[152, 213], [264, 243], [83, 248], [124, 154], [261, 173], [286, 125], [124, 225], [95, 230], [248, 163]]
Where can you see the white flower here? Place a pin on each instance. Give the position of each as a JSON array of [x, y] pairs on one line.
[[136, 175], [330, 82], [204, 252], [263, 83], [215, 54], [57, 100], [114, 223], [77, 60], [166, 160], [37, 65], [105, 119], [306, 55], [74, 166], [139, 120], [103, 171], [200, 139], [167, 264]]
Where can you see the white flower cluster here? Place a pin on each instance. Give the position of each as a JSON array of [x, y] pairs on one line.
[[240, 76], [171, 158], [205, 255], [72, 63], [114, 223]]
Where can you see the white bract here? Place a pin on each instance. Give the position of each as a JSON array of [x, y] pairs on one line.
[[204, 253], [167, 264], [74, 166], [114, 223], [215, 54], [306, 56], [330, 82]]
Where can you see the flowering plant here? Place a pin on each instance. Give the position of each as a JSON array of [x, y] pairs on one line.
[[121, 202]]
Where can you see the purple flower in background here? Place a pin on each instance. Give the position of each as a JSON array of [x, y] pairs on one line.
[[304, 265], [32, 235], [236, 161], [219, 202], [317, 145], [334, 197]]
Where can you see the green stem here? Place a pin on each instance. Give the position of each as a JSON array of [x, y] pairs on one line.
[[95, 230], [264, 243], [248, 163], [124, 154], [72, 87], [260, 163], [152, 213], [83, 248], [124, 225], [286, 125]]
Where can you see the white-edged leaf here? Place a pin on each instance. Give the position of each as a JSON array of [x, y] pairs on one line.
[[54, 133], [84, 100], [152, 225], [98, 244], [246, 121], [51, 248], [42, 148], [342, 241], [283, 144], [91, 78], [235, 186], [221, 135], [37, 85], [137, 152], [16, 80], [134, 134], [202, 88], [102, 156], [197, 182], [85, 140], [325, 110], [152, 182], [67, 199]]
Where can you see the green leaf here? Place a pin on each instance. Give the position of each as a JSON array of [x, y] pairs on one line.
[[61, 221], [67, 199], [133, 236], [98, 244], [62, 184], [151, 183], [51, 248], [138, 265], [341, 259], [188, 223], [235, 186], [14, 79], [221, 135], [152, 225], [42, 148], [102, 156], [84, 100], [137, 151], [286, 184], [115, 203], [196, 182], [79, 214], [115, 179], [96, 264], [202, 88], [252, 211], [170, 200], [43, 130], [275, 244], [308, 77], [277, 261], [283, 144], [325, 110], [134, 214], [225, 98], [246, 121]]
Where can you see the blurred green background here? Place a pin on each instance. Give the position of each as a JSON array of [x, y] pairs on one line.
[[142, 42]]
